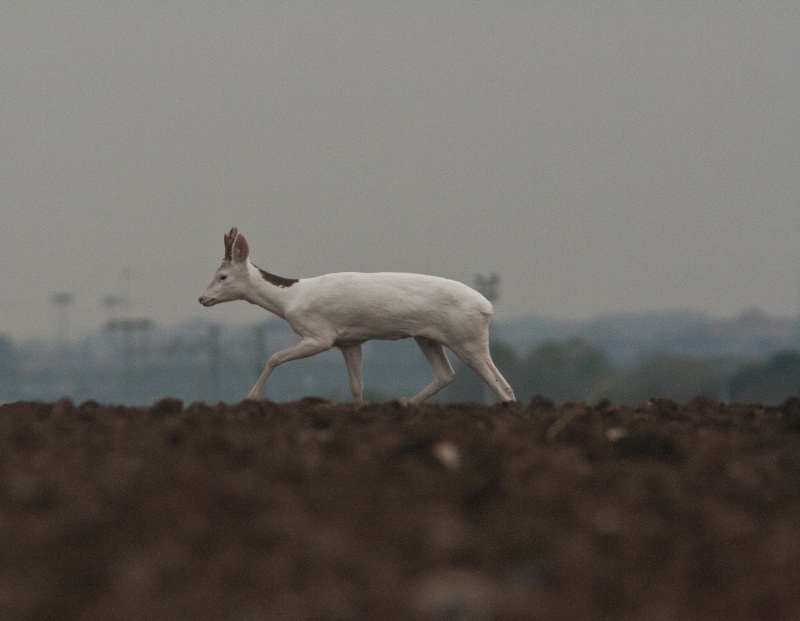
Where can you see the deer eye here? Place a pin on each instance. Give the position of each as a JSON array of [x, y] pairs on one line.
[[223, 277]]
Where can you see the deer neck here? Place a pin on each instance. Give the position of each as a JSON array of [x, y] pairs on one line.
[[270, 291]]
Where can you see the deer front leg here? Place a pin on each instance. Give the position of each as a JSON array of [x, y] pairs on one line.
[[304, 348], [352, 358]]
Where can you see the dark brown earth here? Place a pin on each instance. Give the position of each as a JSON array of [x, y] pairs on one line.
[[314, 510]]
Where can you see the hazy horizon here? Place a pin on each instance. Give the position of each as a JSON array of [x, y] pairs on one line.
[[601, 157]]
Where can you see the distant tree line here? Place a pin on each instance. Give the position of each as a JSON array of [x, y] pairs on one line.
[[574, 370], [569, 370]]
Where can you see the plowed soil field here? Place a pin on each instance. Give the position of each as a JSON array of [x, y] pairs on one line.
[[315, 510]]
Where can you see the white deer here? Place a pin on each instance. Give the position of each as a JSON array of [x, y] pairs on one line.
[[348, 308]]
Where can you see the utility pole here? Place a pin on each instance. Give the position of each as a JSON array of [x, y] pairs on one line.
[[111, 303], [488, 286], [62, 301]]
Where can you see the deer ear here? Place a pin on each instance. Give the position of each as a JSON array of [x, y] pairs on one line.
[[240, 249], [229, 237]]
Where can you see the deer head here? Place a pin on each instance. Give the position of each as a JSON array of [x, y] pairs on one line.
[[231, 281]]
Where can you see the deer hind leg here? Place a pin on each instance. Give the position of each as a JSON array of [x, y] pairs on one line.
[[307, 346], [443, 373], [352, 358], [476, 356]]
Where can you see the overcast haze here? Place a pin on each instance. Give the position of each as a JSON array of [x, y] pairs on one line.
[[600, 156]]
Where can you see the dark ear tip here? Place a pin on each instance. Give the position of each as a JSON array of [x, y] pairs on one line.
[[229, 238]]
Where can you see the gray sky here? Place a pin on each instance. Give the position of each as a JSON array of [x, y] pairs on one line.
[[601, 156]]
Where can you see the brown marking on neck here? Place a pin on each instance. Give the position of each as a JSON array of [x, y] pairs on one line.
[[278, 281]]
